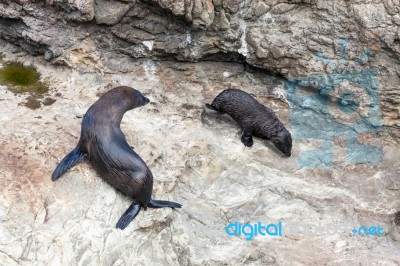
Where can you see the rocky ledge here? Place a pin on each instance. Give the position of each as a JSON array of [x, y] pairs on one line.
[[292, 39], [329, 69]]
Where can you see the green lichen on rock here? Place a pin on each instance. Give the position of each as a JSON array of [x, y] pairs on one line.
[[22, 79]]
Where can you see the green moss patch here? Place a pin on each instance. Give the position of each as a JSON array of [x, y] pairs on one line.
[[22, 79]]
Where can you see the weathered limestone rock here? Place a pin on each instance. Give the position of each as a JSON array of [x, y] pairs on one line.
[[195, 155], [76, 10], [197, 159], [199, 12], [110, 12], [282, 37]]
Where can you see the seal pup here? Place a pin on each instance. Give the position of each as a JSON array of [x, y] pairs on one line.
[[254, 119], [107, 150]]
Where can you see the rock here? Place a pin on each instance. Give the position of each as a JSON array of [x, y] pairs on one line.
[[256, 9], [77, 10], [221, 21], [371, 15], [337, 55], [199, 12], [202, 14], [11, 10], [285, 38], [282, 8], [392, 6], [231, 6], [197, 159], [110, 12]]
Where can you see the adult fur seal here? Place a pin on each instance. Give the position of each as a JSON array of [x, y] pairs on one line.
[[103, 142], [254, 118]]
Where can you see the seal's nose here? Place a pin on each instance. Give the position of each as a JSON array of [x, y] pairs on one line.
[[146, 100]]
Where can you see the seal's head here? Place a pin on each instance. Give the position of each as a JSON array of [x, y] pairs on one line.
[[132, 97], [113, 104], [126, 98], [283, 141], [140, 100]]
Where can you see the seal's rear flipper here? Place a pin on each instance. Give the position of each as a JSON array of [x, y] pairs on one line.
[[128, 216], [163, 204], [74, 157]]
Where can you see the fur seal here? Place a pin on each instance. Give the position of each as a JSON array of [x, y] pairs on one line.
[[254, 118], [107, 150]]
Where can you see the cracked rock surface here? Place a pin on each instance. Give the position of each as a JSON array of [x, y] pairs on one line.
[[196, 158], [290, 38]]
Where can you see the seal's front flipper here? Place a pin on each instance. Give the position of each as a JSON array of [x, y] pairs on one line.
[[128, 216], [163, 204], [74, 157], [247, 139]]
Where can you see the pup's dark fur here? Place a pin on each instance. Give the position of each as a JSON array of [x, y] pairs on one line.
[[254, 118], [103, 142]]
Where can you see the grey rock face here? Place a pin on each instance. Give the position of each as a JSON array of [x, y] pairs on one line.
[[282, 37], [199, 12], [110, 12], [195, 155], [197, 159]]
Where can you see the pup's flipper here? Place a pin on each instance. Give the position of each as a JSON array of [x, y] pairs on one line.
[[163, 204], [128, 216], [74, 157]]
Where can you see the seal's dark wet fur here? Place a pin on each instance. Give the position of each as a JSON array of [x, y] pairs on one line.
[[254, 118], [103, 142]]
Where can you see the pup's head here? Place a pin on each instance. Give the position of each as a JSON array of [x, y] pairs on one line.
[[283, 141]]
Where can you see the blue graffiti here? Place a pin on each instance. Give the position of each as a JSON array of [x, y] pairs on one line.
[[316, 116]]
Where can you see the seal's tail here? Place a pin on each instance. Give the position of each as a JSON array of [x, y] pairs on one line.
[[74, 157]]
